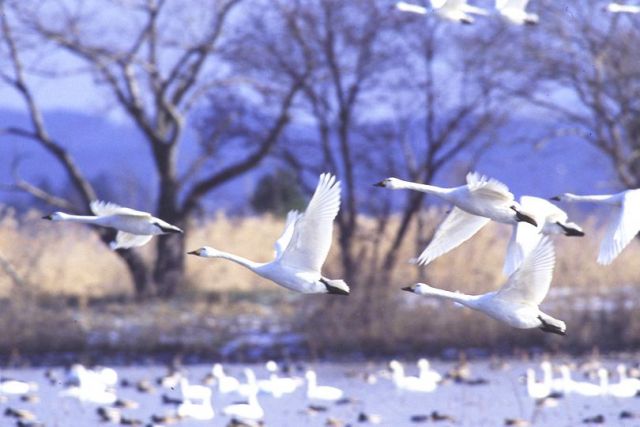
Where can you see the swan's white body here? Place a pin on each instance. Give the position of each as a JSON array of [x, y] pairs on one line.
[[515, 12], [135, 228], [15, 387], [194, 391], [321, 392], [621, 389], [475, 204], [516, 303], [426, 373], [91, 387], [451, 10], [624, 379], [524, 238], [408, 383], [226, 384], [303, 246], [624, 224], [246, 411], [202, 411], [623, 8], [276, 385]]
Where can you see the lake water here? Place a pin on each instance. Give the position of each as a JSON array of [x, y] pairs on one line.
[[504, 396]]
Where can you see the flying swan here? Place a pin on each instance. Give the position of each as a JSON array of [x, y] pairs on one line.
[[135, 228], [451, 10], [515, 12], [516, 303], [624, 224], [482, 199], [524, 238], [303, 246]]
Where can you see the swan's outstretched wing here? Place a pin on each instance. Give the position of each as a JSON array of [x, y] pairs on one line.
[[524, 240], [457, 227], [409, 7], [530, 283], [449, 4], [283, 241], [437, 4], [488, 188], [623, 227], [128, 240], [101, 208], [311, 240]]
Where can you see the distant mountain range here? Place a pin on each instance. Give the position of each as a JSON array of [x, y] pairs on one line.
[[118, 159]]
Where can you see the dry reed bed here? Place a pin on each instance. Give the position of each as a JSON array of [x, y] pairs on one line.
[[68, 259]]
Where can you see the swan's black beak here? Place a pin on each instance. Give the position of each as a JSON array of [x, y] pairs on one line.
[[379, 184], [193, 252], [570, 231], [47, 217], [520, 217], [408, 289], [555, 198]]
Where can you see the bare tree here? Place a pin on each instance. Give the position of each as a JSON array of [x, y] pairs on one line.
[[156, 61], [586, 72]]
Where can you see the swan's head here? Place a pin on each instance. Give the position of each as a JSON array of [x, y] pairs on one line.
[[418, 288], [205, 251], [391, 183], [423, 364], [310, 375], [564, 197], [394, 365], [571, 229], [217, 370], [56, 216], [271, 366]]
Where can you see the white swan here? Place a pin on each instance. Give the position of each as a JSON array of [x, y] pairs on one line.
[[451, 10], [198, 411], [321, 392], [303, 246], [524, 238], [248, 388], [8, 386], [135, 228], [276, 385], [624, 379], [622, 8], [516, 303], [621, 389], [226, 383], [623, 226], [536, 390], [408, 383], [246, 411], [426, 373], [515, 12], [475, 204], [194, 391]]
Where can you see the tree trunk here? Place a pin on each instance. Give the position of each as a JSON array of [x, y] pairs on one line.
[[139, 272], [169, 268]]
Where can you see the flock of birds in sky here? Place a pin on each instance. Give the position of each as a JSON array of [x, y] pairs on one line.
[[304, 244], [193, 400], [513, 11]]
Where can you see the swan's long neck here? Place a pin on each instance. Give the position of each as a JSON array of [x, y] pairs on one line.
[[610, 199], [85, 219], [425, 188], [464, 299], [251, 265]]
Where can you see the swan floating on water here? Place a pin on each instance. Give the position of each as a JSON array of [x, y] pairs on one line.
[[409, 383], [321, 392], [303, 246], [481, 200], [246, 411], [624, 224], [516, 303], [135, 228]]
